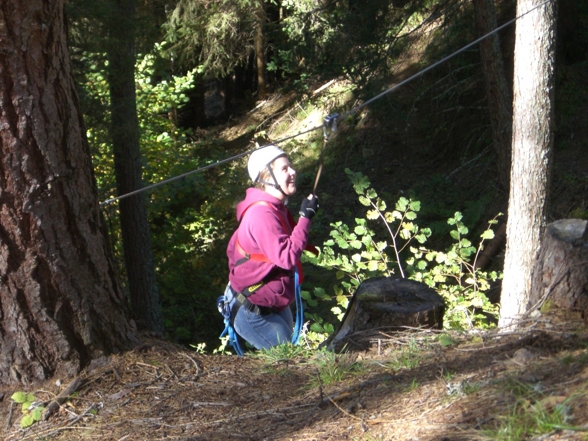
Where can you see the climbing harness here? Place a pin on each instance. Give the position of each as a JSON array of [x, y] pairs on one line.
[[229, 303], [223, 304]]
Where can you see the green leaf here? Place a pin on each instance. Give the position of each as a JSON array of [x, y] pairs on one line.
[[19, 397], [415, 205], [421, 238], [364, 201], [37, 413], [487, 235], [360, 230], [315, 327], [465, 243], [321, 294], [411, 215], [27, 421], [402, 204]]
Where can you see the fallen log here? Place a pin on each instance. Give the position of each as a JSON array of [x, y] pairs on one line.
[[386, 304], [561, 271]]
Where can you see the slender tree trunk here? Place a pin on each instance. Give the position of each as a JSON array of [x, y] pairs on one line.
[[138, 253], [532, 145], [260, 52], [60, 302], [497, 91]]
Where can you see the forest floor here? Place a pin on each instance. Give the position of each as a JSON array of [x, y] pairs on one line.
[[413, 385]]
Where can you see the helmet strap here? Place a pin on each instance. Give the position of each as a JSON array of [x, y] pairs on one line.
[[275, 184]]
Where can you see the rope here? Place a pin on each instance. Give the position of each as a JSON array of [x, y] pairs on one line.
[[329, 126], [335, 116]]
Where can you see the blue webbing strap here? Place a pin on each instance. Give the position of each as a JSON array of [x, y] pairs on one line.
[[299, 309], [225, 309]]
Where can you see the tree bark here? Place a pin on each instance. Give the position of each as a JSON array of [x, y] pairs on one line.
[[260, 51], [497, 91], [61, 304], [532, 150], [561, 272], [138, 254]]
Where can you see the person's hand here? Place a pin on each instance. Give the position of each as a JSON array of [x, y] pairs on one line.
[[309, 206]]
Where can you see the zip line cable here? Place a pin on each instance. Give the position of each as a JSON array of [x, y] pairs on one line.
[[330, 122], [201, 169], [443, 60]]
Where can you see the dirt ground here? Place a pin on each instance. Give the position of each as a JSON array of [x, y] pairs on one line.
[[439, 390]]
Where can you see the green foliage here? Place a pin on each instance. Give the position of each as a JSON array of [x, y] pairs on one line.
[[454, 275], [31, 409], [215, 35], [357, 253], [186, 221]]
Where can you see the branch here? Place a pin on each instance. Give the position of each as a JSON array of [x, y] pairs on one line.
[[61, 398]]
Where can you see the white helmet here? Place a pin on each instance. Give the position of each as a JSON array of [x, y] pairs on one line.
[[261, 158]]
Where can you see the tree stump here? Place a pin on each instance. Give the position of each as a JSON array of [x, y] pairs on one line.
[[561, 271], [384, 304]]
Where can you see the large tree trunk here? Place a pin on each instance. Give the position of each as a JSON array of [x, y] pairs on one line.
[[561, 272], [497, 91], [128, 165], [60, 302], [260, 51], [532, 150]]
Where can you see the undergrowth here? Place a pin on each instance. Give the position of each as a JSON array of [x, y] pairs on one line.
[[356, 253]]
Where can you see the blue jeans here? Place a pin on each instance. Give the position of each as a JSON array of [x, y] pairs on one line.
[[263, 331]]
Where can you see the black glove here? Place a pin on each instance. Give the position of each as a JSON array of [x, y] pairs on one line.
[[309, 207]]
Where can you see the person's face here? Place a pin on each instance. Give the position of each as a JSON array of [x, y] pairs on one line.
[[285, 176]]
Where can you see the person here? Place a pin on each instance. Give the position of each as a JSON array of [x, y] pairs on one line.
[[264, 252]]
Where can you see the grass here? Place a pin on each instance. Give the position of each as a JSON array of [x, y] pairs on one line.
[[333, 368], [407, 358], [534, 413]]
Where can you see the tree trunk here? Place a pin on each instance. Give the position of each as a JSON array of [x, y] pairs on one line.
[[532, 149], [561, 272], [497, 91], [384, 304], [138, 253], [260, 52], [60, 302]]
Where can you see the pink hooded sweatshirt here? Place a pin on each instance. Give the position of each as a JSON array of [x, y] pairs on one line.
[[261, 231]]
